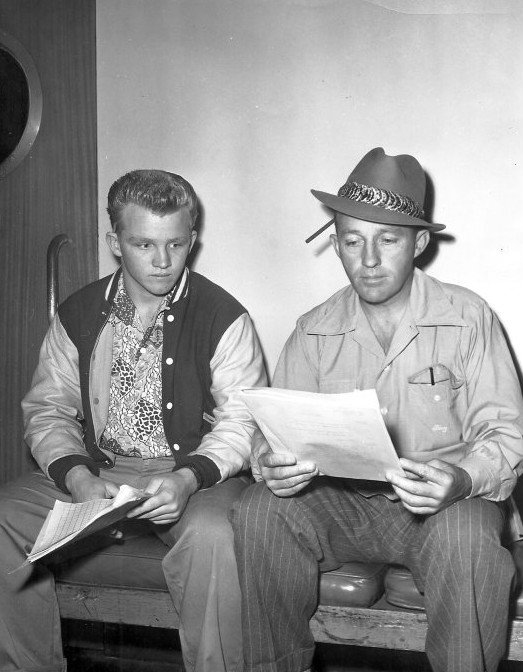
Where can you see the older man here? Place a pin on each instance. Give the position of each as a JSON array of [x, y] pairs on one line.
[[136, 383], [436, 355]]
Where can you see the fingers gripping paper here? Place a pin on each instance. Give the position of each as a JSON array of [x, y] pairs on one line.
[[69, 522], [343, 434]]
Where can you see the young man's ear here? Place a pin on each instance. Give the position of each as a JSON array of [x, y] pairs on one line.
[[114, 244], [194, 235], [422, 240]]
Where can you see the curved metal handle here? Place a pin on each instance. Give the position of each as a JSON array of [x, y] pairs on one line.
[[52, 272]]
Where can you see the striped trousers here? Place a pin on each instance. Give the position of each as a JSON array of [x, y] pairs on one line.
[[456, 558]]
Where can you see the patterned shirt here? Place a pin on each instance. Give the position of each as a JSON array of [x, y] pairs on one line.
[[134, 426]]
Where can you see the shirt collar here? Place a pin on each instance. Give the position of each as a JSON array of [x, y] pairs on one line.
[[428, 306], [124, 308], [182, 286]]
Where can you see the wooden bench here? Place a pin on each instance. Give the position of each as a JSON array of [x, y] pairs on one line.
[[357, 626], [355, 607]]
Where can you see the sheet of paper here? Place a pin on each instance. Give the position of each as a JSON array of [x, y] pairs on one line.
[[343, 434], [67, 522]]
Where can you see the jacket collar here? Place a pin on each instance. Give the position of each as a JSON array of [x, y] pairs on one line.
[[428, 305], [180, 290]]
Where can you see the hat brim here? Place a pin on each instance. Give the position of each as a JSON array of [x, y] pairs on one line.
[[372, 213]]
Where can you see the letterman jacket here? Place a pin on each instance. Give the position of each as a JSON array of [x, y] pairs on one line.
[[210, 351]]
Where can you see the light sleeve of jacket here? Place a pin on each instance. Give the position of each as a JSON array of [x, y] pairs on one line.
[[493, 424], [260, 446], [296, 370], [52, 407], [237, 363]]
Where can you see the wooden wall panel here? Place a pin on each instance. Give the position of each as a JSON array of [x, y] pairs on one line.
[[53, 191]]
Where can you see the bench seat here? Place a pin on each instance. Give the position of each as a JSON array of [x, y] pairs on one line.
[[360, 604]]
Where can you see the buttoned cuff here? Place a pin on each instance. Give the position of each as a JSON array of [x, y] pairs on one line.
[[485, 482], [205, 470], [60, 467]]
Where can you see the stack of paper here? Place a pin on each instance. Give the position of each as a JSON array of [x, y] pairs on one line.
[[68, 522], [343, 434]]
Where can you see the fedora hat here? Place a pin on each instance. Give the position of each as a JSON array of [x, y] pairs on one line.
[[382, 189]]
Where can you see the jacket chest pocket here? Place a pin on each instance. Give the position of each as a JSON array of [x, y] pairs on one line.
[[434, 399]]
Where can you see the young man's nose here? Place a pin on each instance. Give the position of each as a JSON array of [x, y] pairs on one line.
[[161, 258]]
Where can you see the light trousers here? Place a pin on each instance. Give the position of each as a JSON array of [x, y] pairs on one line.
[[456, 558], [199, 567]]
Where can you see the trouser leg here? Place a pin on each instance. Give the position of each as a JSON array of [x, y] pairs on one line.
[[278, 554], [280, 545], [30, 636], [200, 570], [467, 577]]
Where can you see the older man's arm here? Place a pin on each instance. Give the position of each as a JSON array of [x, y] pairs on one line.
[[492, 432], [493, 425]]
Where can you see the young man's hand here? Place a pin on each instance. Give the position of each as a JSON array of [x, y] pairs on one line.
[[169, 496], [84, 486], [430, 487], [284, 475]]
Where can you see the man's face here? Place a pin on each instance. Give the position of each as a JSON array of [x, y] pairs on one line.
[[378, 258], [153, 250]]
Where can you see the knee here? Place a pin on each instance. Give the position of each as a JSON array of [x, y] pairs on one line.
[[467, 535], [10, 507], [253, 509], [18, 530], [261, 520], [206, 528], [205, 545]]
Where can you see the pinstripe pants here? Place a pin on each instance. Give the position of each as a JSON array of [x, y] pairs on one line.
[[456, 558]]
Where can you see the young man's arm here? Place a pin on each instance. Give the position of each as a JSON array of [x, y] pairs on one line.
[[237, 364], [296, 370], [226, 449], [52, 411]]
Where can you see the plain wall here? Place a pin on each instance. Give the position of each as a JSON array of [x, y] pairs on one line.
[[258, 101]]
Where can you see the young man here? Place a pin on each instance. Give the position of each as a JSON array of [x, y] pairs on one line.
[[449, 395], [136, 384]]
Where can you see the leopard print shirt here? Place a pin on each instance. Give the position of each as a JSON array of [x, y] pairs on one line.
[[134, 427]]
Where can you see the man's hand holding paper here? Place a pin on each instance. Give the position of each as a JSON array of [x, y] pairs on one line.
[[169, 494], [428, 488], [339, 435], [283, 474], [84, 486]]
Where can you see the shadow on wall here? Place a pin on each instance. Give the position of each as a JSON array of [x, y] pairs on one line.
[[428, 256], [514, 358], [199, 227], [192, 260]]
